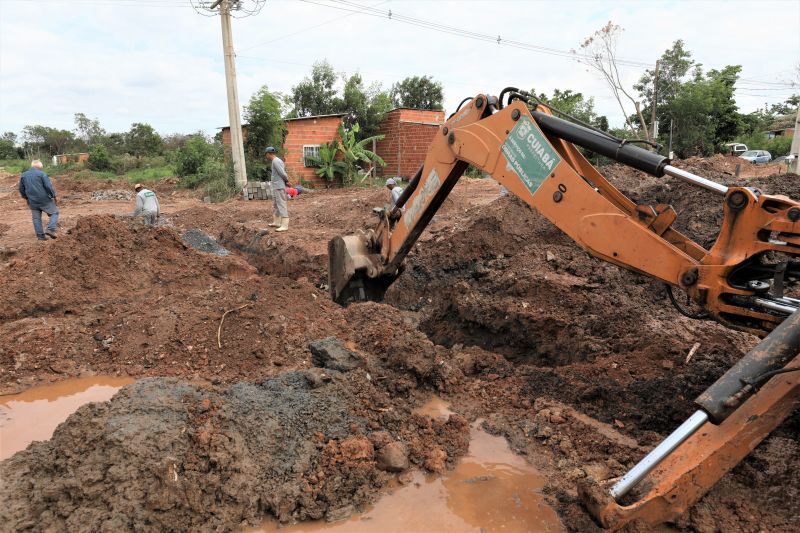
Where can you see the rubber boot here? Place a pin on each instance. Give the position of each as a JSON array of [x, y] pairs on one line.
[[276, 222], [284, 224]]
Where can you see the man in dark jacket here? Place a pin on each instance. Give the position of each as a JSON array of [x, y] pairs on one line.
[[36, 188]]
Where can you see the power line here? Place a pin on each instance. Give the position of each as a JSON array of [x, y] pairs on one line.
[[306, 29], [353, 7], [356, 8]]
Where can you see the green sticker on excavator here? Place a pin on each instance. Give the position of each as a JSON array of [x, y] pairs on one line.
[[529, 154]]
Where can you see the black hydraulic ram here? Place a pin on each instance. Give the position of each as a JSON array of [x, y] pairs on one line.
[[722, 398], [650, 162]]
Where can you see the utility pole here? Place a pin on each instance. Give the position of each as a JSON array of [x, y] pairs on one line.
[[235, 122], [654, 119], [795, 166]]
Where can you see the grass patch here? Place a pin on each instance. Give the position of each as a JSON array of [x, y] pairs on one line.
[[87, 175], [150, 173]]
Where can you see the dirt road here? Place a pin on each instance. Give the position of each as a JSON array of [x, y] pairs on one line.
[[579, 364]]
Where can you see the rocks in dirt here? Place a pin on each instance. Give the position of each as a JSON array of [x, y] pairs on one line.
[[317, 377], [330, 353], [597, 471], [7, 252], [337, 515], [112, 194], [199, 240], [393, 457]]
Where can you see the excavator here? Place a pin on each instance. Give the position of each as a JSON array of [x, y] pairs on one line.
[[739, 280]]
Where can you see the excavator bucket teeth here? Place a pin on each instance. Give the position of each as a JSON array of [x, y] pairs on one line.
[[353, 273]]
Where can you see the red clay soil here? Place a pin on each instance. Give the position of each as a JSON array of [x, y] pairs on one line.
[[580, 364]]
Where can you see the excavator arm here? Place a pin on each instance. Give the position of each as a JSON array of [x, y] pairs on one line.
[[739, 281]]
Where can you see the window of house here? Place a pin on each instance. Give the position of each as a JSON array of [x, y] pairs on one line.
[[310, 151]]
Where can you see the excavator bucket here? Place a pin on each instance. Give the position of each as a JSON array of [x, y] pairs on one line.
[[354, 274]]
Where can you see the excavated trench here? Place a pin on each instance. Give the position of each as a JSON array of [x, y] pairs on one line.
[[504, 315]]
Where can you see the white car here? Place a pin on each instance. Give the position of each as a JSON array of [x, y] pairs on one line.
[[757, 156]]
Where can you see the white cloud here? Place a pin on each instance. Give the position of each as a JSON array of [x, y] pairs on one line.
[[159, 62]]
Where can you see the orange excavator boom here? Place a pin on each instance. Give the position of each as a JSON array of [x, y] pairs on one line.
[[737, 281]]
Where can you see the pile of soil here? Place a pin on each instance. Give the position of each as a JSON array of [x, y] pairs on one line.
[[113, 296], [167, 455]]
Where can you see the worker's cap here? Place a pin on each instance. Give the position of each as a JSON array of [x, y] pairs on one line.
[[269, 150], [138, 186], [391, 181]]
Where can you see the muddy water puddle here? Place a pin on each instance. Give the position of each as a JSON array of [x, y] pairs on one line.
[[491, 489], [33, 415]]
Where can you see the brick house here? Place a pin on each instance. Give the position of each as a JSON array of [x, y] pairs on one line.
[[304, 136], [226, 136], [408, 133]]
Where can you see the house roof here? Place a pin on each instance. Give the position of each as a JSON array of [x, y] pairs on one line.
[[315, 116], [782, 123]]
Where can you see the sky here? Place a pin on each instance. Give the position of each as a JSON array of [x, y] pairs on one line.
[[160, 62]]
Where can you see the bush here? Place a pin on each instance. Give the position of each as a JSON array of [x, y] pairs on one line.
[[191, 157], [98, 158], [217, 180], [8, 150], [124, 163]]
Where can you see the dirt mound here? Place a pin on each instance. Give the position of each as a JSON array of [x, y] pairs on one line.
[[699, 211], [118, 297], [529, 293], [172, 456]]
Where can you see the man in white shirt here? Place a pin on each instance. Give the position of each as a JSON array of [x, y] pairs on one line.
[[394, 191], [146, 205]]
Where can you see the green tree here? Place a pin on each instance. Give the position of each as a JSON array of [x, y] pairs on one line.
[[787, 107], [316, 95], [8, 146], [418, 93], [365, 106], [702, 108], [576, 105], [265, 127], [51, 141], [674, 65], [98, 158], [115, 143], [193, 155], [88, 130], [724, 111], [142, 139]]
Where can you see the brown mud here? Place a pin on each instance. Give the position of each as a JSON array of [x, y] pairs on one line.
[[580, 365], [34, 414]]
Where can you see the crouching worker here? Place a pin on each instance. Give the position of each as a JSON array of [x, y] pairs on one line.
[[146, 205]]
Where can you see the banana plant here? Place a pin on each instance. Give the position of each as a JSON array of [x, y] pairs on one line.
[[329, 167], [354, 152]]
